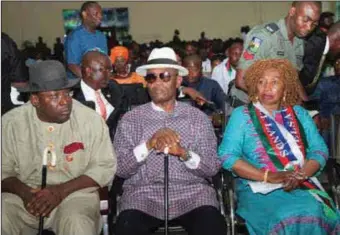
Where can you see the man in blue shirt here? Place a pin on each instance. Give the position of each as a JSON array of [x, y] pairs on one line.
[[84, 37], [209, 88]]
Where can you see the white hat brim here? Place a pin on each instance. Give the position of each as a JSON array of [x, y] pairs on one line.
[[141, 70]]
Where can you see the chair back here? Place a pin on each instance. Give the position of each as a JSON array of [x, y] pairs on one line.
[[335, 137], [133, 95]]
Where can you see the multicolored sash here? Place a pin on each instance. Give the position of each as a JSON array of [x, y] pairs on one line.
[[286, 146]]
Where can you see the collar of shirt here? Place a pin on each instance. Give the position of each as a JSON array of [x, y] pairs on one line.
[[225, 60], [207, 60], [325, 51], [88, 92], [82, 27], [282, 27], [195, 85], [228, 67], [157, 108], [90, 95]]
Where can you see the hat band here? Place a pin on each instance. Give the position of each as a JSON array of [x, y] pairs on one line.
[[162, 61], [48, 85]]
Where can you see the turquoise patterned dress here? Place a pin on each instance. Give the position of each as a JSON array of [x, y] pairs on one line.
[[277, 212]]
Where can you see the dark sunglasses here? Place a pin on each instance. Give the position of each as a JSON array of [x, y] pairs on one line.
[[165, 77]]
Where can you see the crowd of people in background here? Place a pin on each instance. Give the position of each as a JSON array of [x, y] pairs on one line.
[[212, 51]]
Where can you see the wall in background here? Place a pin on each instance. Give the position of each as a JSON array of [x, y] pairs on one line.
[[148, 20]]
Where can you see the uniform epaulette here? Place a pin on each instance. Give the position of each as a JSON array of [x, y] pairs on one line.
[[272, 27]]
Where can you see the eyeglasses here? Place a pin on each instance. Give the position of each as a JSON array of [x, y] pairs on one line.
[[165, 77]]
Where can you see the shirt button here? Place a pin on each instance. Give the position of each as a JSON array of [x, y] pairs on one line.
[[51, 146], [50, 128]]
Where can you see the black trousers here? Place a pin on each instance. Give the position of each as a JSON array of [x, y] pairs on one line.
[[205, 220]]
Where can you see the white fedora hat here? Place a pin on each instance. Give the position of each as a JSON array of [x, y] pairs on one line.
[[164, 57]]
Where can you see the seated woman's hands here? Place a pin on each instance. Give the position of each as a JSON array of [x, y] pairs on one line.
[[278, 177], [290, 179], [294, 180]]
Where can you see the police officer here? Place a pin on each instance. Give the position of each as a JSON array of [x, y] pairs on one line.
[[281, 39]]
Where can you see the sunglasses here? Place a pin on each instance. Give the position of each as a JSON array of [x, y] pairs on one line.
[[165, 77]]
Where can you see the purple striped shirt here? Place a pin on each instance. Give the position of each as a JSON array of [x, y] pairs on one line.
[[143, 187]]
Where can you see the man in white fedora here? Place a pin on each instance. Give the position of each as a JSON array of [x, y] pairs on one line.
[[141, 138]]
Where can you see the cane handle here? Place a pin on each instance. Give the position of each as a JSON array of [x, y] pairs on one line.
[[53, 155], [166, 150]]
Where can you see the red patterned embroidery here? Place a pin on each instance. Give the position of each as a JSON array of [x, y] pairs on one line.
[[71, 148]]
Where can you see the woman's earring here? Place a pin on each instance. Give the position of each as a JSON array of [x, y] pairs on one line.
[[257, 98], [284, 98]]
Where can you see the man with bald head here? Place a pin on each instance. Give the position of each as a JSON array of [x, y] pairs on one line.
[[97, 91], [281, 39]]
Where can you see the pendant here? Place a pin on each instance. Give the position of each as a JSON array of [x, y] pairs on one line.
[[51, 146], [69, 158]]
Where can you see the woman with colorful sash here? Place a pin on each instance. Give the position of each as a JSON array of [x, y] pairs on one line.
[[275, 152]]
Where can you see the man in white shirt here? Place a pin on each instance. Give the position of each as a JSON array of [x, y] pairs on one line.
[[206, 63], [225, 72], [97, 91]]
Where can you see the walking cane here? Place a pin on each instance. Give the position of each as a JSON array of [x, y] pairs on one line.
[[47, 152], [166, 188]]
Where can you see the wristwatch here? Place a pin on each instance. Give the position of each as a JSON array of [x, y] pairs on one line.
[[187, 156]]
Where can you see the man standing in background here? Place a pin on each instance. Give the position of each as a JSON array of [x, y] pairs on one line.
[[13, 73], [84, 37], [281, 39]]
